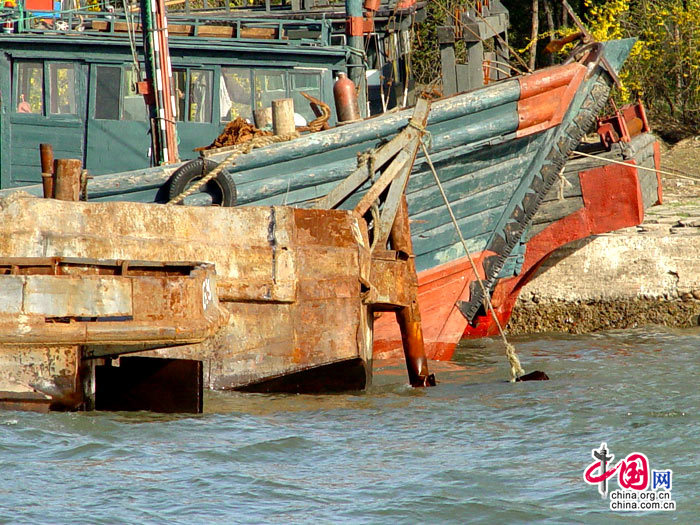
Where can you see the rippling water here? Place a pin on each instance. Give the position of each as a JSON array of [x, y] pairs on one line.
[[473, 449]]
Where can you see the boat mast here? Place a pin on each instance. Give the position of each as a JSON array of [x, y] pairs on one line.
[[159, 75]]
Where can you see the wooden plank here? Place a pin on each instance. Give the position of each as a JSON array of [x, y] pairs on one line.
[[347, 186], [211, 31], [504, 166], [554, 210], [445, 235], [380, 157], [467, 189], [386, 178], [448, 68], [445, 254], [494, 113], [425, 220], [100, 25], [263, 33], [393, 201]]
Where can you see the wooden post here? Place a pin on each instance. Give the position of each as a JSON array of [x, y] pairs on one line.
[[408, 317], [446, 39], [263, 117], [47, 173], [550, 26], [68, 173], [283, 116]]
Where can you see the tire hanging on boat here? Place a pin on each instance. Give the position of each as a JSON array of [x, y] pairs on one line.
[[223, 186]]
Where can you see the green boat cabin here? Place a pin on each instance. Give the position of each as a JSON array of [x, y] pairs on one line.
[[78, 93]]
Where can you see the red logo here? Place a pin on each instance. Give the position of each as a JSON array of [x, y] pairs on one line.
[[632, 472]]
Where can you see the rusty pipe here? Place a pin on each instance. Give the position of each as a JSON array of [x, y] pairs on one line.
[[68, 172], [409, 317], [413, 346], [47, 172]]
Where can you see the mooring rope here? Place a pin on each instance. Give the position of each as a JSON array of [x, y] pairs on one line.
[[516, 369], [241, 149], [643, 168], [563, 182]]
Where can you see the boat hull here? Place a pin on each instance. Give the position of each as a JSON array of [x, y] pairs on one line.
[[593, 197], [497, 151]]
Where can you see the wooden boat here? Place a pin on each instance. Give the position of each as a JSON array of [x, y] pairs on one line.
[[498, 150], [592, 196]]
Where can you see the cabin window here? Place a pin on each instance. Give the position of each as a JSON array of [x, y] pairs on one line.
[[30, 87], [133, 104], [200, 96], [193, 95], [269, 86], [242, 89], [116, 97], [108, 81], [235, 98], [62, 89], [309, 83]]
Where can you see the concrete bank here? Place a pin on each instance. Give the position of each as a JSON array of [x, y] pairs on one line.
[[644, 275]]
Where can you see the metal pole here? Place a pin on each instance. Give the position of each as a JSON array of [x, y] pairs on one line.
[[354, 29], [47, 171], [159, 75]]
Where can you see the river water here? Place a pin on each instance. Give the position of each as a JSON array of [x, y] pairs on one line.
[[475, 449]]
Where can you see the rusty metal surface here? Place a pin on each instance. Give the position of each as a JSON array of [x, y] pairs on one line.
[[299, 286], [289, 278], [408, 317], [39, 378], [84, 301]]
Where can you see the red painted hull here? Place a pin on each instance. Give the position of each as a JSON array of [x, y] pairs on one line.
[[612, 200]]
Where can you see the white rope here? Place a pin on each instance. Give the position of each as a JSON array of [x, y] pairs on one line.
[[515, 368], [563, 182], [643, 168]]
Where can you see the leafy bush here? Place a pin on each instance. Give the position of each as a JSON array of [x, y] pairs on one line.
[[663, 68]]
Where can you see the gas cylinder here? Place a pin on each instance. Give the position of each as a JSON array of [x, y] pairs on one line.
[[345, 97], [8, 26]]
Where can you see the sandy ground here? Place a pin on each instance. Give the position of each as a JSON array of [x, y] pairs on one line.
[[684, 158]]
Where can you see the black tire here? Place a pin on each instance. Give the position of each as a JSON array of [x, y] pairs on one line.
[[222, 189]]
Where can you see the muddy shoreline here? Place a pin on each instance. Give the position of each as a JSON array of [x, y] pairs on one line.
[[591, 316]]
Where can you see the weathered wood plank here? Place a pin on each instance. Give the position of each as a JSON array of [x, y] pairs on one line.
[[445, 254], [554, 210]]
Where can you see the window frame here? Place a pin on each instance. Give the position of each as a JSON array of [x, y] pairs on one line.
[[46, 88], [287, 73], [94, 97], [16, 87], [213, 94], [123, 68]]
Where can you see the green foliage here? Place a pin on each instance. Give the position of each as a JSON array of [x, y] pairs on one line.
[[664, 67], [665, 64], [426, 52]]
